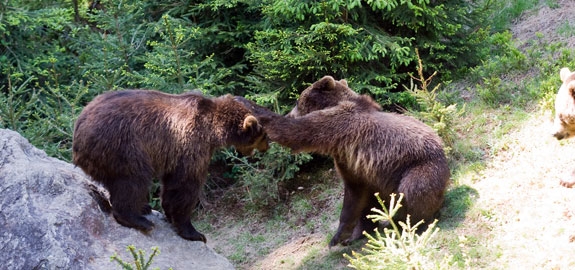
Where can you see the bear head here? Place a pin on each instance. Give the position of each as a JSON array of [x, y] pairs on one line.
[[564, 123], [255, 135], [323, 94]]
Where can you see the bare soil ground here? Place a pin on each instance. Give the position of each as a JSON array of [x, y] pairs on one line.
[[530, 215], [550, 22], [521, 214]]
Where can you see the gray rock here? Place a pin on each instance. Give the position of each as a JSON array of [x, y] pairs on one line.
[[49, 220]]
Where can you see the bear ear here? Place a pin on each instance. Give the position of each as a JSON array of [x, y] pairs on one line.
[[344, 82], [327, 83], [564, 74], [250, 122]]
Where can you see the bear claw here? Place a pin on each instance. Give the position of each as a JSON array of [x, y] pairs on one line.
[[567, 184], [193, 236]]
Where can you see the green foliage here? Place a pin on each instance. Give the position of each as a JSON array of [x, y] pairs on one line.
[[54, 116], [395, 248], [504, 57], [495, 85], [17, 104], [140, 262], [154, 199], [44, 115], [505, 12], [219, 47], [547, 59], [493, 93], [567, 29], [261, 175], [443, 119], [36, 94], [368, 43]]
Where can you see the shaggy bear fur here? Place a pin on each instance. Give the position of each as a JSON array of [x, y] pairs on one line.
[[124, 139], [564, 123], [373, 151]]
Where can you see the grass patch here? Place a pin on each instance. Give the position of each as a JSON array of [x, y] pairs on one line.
[[566, 29], [507, 11]]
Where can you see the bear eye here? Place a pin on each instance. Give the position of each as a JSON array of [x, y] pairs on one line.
[[565, 119]]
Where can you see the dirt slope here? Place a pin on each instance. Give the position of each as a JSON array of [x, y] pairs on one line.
[[551, 23]]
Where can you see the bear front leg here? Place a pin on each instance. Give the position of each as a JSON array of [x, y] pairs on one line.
[[179, 197], [365, 224], [568, 183], [355, 201]]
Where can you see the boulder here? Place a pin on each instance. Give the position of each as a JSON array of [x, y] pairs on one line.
[[52, 216]]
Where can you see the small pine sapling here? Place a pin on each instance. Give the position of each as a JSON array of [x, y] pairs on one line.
[[399, 247]]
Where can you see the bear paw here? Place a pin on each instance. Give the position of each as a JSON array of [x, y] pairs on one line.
[[146, 210], [340, 238], [568, 184], [192, 235], [137, 222]]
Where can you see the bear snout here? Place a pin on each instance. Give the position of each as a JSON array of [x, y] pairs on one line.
[[561, 129], [559, 135]]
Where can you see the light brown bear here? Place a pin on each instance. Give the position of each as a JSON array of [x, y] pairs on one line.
[[373, 151], [123, 139], [564, 123]]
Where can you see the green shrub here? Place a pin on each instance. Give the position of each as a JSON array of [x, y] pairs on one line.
[[368, 43], [44, 115], [140, 262], [547, 59], [395, 248], [16, 104], [443, 119], [261, 175]]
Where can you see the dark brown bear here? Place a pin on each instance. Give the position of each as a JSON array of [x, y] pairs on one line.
[[373, 151], [124, 139]]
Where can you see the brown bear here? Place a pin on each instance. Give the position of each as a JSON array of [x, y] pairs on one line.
[[564, 123], [373, 151], [123, 139]]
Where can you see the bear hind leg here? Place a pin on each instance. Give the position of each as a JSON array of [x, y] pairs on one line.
[[178, 202], [128, 196], [423, 188]]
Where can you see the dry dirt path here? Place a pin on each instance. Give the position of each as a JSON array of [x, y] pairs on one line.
[[532, 217]]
